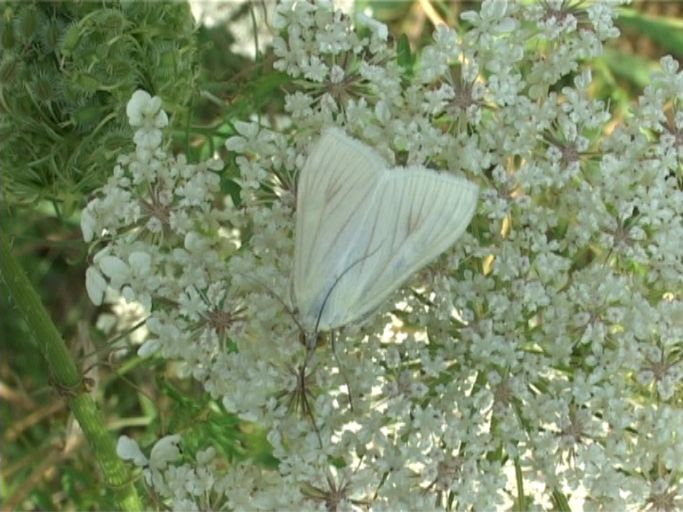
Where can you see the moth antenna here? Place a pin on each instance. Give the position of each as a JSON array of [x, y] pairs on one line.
[[310, 349], [336, 282], [305, 406]]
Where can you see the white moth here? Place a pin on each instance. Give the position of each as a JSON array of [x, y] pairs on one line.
[[363, 228]]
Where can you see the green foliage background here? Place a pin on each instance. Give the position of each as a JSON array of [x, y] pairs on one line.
[[67, 70]]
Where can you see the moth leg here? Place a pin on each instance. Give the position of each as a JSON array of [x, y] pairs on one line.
[[342, 371]]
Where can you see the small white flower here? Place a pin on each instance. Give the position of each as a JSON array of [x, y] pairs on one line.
[[140, 262], [379, 30], [135, 107], [88, 222], [114, 268], [298, 105], [165, 450], [491, 18], [128, 449], [145, 111], [204, 457], [95, 285], [146, 140], [149, 347]]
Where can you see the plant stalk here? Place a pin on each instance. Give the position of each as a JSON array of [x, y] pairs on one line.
[[66, 377]]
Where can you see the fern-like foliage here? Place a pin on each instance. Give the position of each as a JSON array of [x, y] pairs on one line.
[[67, 70]]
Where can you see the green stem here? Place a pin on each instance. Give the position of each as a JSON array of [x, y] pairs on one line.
[[520, 501], [66, 377]]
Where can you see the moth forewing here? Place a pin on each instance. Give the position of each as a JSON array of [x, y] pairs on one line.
[[334, 185], [416, 214]]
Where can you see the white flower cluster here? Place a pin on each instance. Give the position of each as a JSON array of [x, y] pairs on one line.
[[187, 487], [546, 345], [164, 241]]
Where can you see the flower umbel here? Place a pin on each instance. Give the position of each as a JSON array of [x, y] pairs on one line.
[[543, 349]]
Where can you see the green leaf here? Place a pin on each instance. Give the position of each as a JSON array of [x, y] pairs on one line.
[[520, 500], [560, 501], [385, 10], [404, 56], [667, 32], [259, 92], [626, 67]]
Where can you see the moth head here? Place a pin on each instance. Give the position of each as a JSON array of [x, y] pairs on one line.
[[312, 340]]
